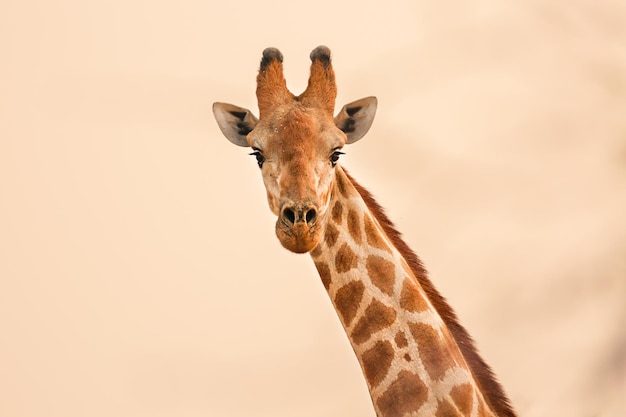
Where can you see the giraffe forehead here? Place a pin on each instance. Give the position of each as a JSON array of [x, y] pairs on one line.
[[297, 133]]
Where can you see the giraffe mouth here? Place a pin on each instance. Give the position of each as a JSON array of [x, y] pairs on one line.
[[298, 237]]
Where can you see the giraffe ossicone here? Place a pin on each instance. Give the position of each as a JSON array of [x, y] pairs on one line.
[[416, 358]]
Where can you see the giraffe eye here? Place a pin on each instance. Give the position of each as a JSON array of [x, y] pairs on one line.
[[260, 159], [335, 157]]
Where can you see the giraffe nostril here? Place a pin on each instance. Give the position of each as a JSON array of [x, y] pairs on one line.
[[310, 215], [292, 215], [289, 215]]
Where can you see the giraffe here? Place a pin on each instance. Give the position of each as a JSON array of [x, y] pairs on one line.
[[416, 357]]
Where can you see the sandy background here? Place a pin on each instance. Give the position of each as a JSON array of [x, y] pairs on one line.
[[139, 271]]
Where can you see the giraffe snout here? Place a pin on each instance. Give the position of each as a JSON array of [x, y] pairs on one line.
[[296, 226]]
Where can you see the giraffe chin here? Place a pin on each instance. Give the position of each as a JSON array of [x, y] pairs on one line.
[[298, 239]]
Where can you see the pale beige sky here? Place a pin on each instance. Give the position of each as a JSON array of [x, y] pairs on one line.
[[139, 271]]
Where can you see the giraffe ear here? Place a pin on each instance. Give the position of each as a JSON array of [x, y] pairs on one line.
[[234, 122], [356, 118]]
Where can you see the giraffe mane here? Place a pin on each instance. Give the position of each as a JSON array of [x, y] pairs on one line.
[[483, 374]]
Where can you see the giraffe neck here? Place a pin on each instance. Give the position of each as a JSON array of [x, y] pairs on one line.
[[410, 359]]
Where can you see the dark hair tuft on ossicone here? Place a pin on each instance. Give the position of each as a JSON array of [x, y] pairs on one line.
[[269, 55]]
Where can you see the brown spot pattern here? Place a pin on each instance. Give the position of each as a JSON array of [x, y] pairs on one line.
[[345, 259], [436, 356], [405, 395], [337, 212], [491, 388], [354, 226], [317, 251], [374, 237], [382, 273], [411, 298], [347, 300], [324, 271], [463, 397], [445, 409], [407, 357], [377, 361], [342, 186], [330, 235], [377, 316], [454, 351], [401, 340]]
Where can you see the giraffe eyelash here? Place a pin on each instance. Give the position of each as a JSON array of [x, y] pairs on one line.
[[260, 159], [335, 157]]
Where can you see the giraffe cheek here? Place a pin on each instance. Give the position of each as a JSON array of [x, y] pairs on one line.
[[273, 203]]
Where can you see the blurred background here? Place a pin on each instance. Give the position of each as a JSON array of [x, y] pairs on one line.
[[139, 270]]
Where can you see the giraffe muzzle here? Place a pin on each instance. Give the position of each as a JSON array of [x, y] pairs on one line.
[[296, 227]]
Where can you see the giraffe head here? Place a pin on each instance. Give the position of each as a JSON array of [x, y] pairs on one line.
[[297, 142]]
